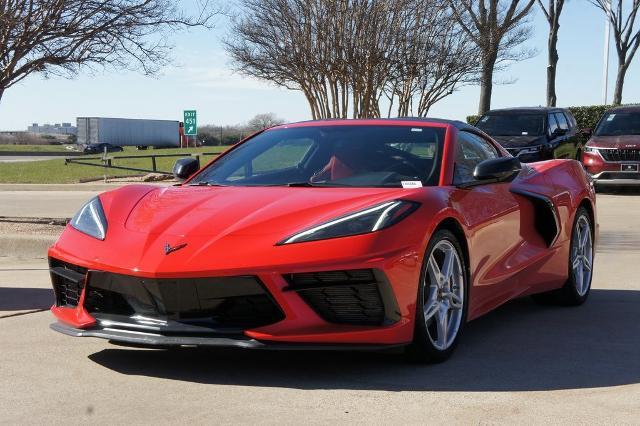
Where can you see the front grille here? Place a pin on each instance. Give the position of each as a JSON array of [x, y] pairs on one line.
[[68, 282], [229, 304], [620, 154], [345, 297]]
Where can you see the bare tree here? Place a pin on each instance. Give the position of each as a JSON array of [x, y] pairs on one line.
[[346, 55], [552, 12], [434, 58], [498, 29], [264, 121], [59, 37], [626, 35]]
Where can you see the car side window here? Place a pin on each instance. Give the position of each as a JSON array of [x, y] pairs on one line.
[[471, 150], [571, 119], [562, 121], [553, 124]]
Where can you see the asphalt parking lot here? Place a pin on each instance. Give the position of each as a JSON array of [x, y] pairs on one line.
[[523, 363]]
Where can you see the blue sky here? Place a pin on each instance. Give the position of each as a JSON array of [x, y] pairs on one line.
[[202, 80]]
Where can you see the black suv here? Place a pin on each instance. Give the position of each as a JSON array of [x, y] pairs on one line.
[[535, 134]]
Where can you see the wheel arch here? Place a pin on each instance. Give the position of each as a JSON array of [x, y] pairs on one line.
[[589, 207], [586, 203], [452, 225]]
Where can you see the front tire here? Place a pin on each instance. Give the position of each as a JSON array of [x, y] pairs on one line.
[[442, 303]]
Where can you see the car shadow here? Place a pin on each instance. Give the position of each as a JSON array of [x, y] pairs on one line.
[[519, 347], [25, 299]]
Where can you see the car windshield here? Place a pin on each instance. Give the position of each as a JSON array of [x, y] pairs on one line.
[[342, 155], [512, 124], [619, 123]]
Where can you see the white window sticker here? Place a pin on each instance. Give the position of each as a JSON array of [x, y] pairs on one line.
[[525, 133], [416, 129], [411, 184], [611, 117]]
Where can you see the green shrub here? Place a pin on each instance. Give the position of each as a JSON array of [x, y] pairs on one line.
[[588, 116], [473, 119]]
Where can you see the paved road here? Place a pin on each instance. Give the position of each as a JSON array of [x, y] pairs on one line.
[[521, 364], [53, 204], [26, 158], [50, 201]]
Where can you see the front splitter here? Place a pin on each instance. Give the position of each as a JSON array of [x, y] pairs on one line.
[[135, 338]]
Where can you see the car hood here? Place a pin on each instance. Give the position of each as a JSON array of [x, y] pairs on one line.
[[227, 229], [619, 142], [244, 211], [519, 141]]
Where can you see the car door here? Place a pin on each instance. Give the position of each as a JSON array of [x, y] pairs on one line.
[[492, 215], [567, 140], [575, 136]]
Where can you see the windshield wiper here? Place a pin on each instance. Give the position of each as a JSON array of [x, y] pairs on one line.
[[205, 184], [315, 185], [301, 184]]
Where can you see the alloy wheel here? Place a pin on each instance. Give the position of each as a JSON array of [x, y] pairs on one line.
[[582, 255], [443, 295]]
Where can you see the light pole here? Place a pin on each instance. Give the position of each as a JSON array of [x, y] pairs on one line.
[[607, 37]]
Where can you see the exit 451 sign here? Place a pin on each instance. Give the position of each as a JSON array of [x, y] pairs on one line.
[[190, 123]]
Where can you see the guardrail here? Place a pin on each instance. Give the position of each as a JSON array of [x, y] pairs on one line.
[[107, 161]]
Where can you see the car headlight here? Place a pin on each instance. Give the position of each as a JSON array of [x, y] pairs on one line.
[[90, 219], [372, 219], [590, 149]]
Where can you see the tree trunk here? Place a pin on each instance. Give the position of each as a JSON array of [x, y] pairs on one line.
[[553, 67], [486, 85], [617, 95]]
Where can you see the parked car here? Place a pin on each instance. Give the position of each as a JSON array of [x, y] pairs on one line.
[[368, 234], [99, 148], [612, 155], [535, 134]]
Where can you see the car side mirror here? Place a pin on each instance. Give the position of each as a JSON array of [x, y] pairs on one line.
[[184, 168], [588, 132], [497, 169], [560, 132]]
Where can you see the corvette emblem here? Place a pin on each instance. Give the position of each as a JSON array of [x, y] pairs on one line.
[[168, 249]]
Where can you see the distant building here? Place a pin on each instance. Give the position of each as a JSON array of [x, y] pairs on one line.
[[53, 129]]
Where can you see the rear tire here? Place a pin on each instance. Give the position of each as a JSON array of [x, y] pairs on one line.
[[581, 254], [442, 303]]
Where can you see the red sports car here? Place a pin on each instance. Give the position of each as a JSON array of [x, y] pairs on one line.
[[612, 156], [328, 234]]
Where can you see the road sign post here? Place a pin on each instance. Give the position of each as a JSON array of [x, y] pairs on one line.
[[190, 124]]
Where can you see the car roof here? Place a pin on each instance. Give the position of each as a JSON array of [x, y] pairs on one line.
[[526, 110], [378, 121], [625, 108]]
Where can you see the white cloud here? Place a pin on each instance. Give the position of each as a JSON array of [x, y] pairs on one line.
[[222, 78]]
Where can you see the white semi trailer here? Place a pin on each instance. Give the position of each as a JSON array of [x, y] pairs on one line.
[[128, 132]]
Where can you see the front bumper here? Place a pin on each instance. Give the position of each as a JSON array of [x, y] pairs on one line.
[[297, 309], [617, 179]]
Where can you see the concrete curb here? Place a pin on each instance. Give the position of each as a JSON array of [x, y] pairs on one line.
[[26, 246], [61, 154], [93, 187], [90, 187]]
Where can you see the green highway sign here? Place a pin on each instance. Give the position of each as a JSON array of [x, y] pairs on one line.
[[190, 123]]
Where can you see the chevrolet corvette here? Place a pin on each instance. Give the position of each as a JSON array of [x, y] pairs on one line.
[[338, 234]]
